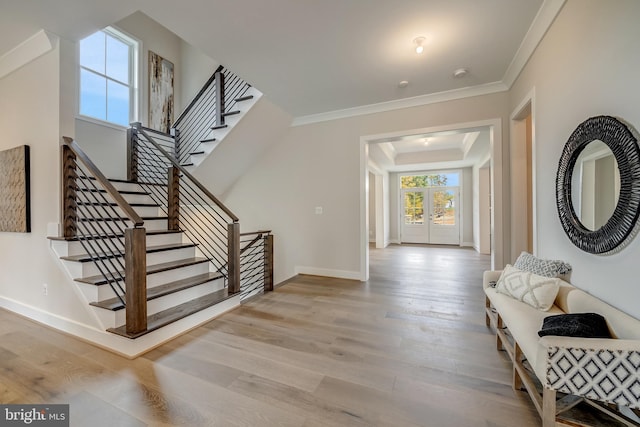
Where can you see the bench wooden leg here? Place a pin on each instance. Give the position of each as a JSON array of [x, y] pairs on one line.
[[517, 359], [487, 305], [499, 325], [548, 408]]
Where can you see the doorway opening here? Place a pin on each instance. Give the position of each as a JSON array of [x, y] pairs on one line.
[[523, 236], [392, 155]]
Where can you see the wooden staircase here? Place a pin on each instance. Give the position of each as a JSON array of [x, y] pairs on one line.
[[159, 247], [179, 280]]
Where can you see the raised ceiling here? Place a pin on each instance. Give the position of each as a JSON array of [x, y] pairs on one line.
[[312, 57]]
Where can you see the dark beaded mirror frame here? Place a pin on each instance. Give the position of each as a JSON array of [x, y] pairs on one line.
[[621, 227]]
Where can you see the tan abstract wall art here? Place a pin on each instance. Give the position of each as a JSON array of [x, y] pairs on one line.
[[15, 198]]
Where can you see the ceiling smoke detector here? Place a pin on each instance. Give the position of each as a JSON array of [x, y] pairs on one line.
[[460, 72]]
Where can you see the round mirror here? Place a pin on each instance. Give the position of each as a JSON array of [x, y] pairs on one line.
[[598, 185], [595, 185]]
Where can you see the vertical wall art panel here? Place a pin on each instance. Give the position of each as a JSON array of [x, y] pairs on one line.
[[160, 93], [15, 199]]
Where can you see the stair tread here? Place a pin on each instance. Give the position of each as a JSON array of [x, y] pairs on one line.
[[151, 269], [208, 140], [112, 236], [186, 164], [165, 317], [115, 304], [231, 113], [219, 127], [150, 250], [194, 153], [244, 98]]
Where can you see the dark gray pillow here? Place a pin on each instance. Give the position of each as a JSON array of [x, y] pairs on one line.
[[541, 267], [584, 325]]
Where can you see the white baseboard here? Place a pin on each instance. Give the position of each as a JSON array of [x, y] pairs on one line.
[[339, 274], [467, 244], [123, 346]]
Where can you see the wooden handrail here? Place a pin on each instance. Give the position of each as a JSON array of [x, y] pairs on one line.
[[182, 170], [255, 232], [255, 240], [110, 189], [198, 96]]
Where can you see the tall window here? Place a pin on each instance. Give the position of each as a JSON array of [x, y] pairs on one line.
[[107, 77]]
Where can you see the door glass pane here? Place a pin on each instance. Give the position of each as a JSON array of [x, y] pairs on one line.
[[444, 210], [414, 207]]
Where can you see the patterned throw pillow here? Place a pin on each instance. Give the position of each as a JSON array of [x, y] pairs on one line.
[[541, 267], [537, 291]]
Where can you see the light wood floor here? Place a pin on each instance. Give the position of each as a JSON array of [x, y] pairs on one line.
[[407, 348]]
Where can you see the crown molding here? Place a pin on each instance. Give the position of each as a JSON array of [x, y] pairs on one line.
[[539, 27], [398, 104], [30, 49]]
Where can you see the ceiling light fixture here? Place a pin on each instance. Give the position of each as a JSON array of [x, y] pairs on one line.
[[460, 72], [418, 41], [403, 84]]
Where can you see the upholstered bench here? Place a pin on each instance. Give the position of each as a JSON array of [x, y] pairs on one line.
[[604, 372]]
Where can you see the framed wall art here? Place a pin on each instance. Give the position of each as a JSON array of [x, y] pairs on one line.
[[15, 197], [160, 93]]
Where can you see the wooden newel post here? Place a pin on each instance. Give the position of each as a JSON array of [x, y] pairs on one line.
[[268, 263], [69, 195], [135, 279], [173, 196], [233, 255], [132, 153], [220, 95]]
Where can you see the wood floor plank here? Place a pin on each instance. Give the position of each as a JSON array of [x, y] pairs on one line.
[[407, 348]]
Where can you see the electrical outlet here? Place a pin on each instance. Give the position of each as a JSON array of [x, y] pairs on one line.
[[45, 289]]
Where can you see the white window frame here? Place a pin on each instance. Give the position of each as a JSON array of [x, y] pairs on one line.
[[134, 78]]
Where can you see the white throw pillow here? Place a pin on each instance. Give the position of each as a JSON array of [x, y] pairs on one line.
[[537, 291]]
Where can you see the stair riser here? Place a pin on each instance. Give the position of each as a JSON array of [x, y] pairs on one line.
[[100, 211], [88, 269], [126, 186], [102, 197], [64, 248], [98, 227], [168, 301], [103, 292]]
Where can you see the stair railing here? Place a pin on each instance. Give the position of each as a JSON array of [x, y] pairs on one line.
[[208, 110], [190, 207], [256, 263], [109, 230]]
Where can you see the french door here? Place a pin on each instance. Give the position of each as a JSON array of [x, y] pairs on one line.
[[431, 215]]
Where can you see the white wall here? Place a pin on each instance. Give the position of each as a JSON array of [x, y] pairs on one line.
[[196, 70], [29, 114], [586, 65], [319, 165]]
